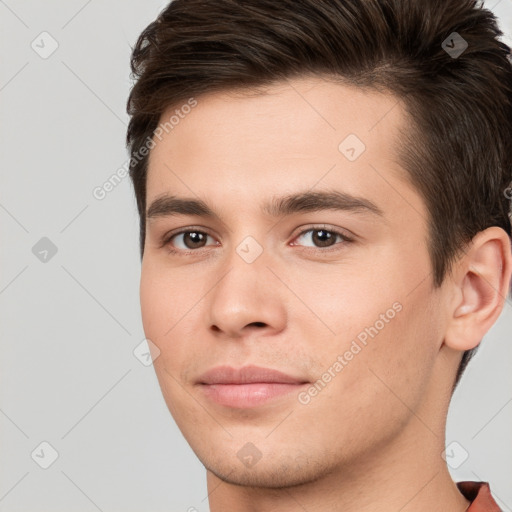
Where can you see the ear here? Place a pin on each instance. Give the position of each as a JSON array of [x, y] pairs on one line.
[[481, 280]]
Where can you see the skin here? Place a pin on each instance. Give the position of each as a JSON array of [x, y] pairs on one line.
[[372, 438]]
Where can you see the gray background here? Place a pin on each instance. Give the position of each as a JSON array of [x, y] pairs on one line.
[[70, 323]]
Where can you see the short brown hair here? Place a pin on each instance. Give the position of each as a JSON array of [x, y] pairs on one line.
[[458, 152]]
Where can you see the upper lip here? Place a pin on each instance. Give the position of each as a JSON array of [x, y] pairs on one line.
[[246, 375]]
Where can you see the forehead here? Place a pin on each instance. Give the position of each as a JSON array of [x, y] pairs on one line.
[[290, 112], [308, 132]]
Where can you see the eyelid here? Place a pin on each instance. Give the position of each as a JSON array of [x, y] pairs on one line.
[[344, 233]]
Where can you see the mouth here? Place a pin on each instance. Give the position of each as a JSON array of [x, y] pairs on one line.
[[247, 387]]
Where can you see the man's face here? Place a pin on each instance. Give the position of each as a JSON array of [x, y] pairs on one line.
[[338, 297]]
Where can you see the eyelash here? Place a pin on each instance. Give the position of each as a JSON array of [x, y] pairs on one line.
[[167, 240]]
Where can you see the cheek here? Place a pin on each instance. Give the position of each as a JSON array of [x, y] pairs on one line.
[[387, 337], [164, 298], [161, 306], [169, 310], [343, 305], [401, 358], [153, 298], [391, 370]]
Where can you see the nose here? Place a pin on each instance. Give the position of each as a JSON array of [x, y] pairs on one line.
[[246, 299]]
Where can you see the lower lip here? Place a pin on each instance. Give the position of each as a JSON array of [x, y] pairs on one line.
[[247, 395]]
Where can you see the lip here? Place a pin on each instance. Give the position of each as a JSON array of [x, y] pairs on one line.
[[248, 386]]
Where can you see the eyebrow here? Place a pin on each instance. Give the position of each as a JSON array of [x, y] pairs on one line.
[[301, 202]]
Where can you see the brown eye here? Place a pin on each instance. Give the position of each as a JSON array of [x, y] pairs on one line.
[[321, 237], [194, 239], [187, 240]]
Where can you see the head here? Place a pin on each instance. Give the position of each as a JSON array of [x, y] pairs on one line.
[[238, 103]]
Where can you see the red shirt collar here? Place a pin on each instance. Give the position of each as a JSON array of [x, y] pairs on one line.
[[479, 493]]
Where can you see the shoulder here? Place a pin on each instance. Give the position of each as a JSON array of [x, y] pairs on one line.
[[479, 493]]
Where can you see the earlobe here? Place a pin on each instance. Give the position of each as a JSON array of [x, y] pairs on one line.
[[482, 277]]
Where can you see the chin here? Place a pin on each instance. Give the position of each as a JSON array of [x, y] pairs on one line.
[[270, 475]]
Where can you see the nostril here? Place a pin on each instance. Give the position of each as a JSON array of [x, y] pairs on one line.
[[258, 324]]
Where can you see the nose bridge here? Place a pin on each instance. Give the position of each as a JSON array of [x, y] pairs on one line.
[[247, 274], [246, 292]]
